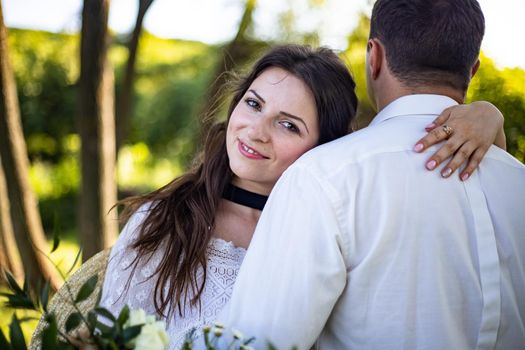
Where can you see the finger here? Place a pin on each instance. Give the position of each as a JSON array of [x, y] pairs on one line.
[[473, 163], [445, 151], [462, 156], [440, 120], [435, 136]]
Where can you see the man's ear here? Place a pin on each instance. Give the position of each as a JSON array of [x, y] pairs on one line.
[[375, 57], [475, 68]]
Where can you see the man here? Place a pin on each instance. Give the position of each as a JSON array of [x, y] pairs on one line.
[[361, 248]]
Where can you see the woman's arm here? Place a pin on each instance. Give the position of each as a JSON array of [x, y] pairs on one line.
[[474, 128]]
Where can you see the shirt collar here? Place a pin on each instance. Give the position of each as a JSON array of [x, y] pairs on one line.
[[414, 105]]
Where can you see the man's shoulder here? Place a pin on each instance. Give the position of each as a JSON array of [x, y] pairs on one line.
[[497, 154], [357, 147]]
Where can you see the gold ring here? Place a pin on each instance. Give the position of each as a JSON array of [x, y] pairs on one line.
[[448, 130]]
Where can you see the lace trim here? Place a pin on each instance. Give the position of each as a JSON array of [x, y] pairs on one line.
[[224, 261], [226, 249]]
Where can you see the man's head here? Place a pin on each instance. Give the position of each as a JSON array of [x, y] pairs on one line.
[[429, 42]]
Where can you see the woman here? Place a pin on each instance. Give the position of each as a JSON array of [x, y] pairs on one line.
[[180, 251]]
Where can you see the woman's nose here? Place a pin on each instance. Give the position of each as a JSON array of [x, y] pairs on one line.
[[258, 130]]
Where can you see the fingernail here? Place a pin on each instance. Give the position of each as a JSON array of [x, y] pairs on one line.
[[446, 172], [430, 126], [431, 165], [465, 176], [418, 147]]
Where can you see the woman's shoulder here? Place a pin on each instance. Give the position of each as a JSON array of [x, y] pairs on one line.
[[131, 229]]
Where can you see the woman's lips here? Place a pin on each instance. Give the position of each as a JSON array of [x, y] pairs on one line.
[[249, 152]]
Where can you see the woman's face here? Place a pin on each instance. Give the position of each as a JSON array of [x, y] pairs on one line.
[[273, 124]]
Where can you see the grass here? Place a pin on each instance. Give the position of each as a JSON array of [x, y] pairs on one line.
[[63, 258]]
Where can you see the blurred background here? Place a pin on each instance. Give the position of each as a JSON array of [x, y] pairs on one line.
[[149, 85]]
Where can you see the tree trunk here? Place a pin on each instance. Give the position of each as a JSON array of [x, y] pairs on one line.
[[9, 257], [236, 53], [25, 217], [125, 100], [97, 132]]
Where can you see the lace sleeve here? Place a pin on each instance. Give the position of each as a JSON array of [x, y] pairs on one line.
[[118, 290]]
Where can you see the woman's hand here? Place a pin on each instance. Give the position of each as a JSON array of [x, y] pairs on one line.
[[469, 130]]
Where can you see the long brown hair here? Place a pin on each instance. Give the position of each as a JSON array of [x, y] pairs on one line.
[[181, 215]]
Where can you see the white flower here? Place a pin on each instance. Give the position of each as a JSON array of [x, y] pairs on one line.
[[237, 334], [152, 335], [246, 347], [218, 332], [136, 317]]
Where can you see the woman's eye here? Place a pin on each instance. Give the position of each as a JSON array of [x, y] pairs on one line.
[[290, 126], [253, 104]]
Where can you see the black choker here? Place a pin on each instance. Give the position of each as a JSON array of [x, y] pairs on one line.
[[243, 197]]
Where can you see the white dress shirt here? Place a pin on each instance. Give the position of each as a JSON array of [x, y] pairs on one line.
[[361, 247]]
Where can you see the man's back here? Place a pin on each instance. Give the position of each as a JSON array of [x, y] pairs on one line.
[[433, 263], [403, 259]]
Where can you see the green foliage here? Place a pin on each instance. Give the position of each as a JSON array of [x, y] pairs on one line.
[[15, 334], [87, 289], [73, 321], [215, 338], [49, 334], [354, 57], [170, 83], [4, 343], [20, 297], [45, 74], [118, 335], [505, 88], [171, 79]]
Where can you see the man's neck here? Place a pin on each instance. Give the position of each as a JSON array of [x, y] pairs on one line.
[[388, 95]]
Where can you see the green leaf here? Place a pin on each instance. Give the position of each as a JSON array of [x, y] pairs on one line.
[[56, 233], [113, 346], [4, 344], [49, 317], [249, 340], [105, 313], [44, 295], [56, 242], [87, 289], [74, 262], [19, 301], [73, 321], [123, 316], [99, 298], [131, 333], [186, 345], [15, 333], [92, 319], [104, 329], [13, 285], [49, 334], [271, 347], [26, 285]]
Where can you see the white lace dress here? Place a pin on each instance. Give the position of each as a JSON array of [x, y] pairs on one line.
[[224, 260]]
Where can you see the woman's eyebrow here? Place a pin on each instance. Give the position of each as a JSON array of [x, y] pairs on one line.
[[256, 94]]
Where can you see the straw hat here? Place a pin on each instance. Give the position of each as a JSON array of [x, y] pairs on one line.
[[62, 302]]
